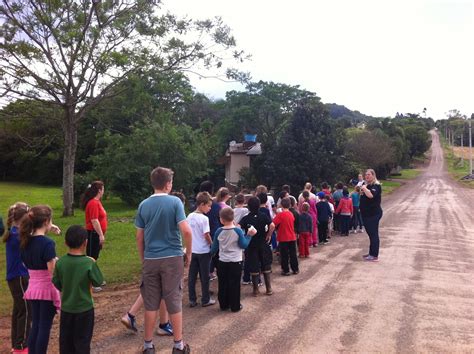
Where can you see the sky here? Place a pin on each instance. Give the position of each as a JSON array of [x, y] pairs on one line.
[[379, 57]]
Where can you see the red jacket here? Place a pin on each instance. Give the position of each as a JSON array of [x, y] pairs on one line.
[[284, 222], [345, 206]]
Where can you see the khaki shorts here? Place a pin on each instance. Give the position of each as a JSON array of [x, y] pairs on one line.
[[162, 279]]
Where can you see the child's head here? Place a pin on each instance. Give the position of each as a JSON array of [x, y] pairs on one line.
[[227, 216], [253, 205], [324, 185], [321, 195], [306, 195], [15, 213], [261, 189], [305, 207], [222, 195], [283, 194], [179, 195], [339, 185], [327, 197], [207, 186], [203, 202], [285, 203], [308, 186], [38, 217], [345, 192], [240, 199], [262, 197], [286, 187], [293, 201], [357, 189], [76, 237]]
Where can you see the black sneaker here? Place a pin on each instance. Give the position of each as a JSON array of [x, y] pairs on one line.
[[193, 304], [285, 273], [186, 349]]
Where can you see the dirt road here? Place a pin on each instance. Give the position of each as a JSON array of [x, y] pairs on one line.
[[418, 298]]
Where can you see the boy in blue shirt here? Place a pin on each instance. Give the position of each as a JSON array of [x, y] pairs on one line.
[[160, 222]]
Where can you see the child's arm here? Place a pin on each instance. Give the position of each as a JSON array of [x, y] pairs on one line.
[[271, 228], [140, 245], [56, 280], [208, 238], [215, 242], [244, 239], [95, 275]]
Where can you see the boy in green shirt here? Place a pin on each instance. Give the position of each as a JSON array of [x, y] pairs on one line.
[[74, 275]]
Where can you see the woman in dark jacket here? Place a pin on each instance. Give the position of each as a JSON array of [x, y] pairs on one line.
[[371, 211]]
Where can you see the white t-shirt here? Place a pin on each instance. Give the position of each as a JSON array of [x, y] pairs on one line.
[[199, 226], [239, 213]]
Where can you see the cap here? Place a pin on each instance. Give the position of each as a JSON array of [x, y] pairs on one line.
[[321, 195]]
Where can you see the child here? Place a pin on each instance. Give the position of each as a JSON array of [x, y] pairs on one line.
[[356, 216], [324, 214], [305, 228], [39, 256], [74, 275], [345, 208], [314, 216], [17, 278], [222, 197], [259, 252], [229, 241], [331, 206], [239, 210], [201, 256], [284, 222]]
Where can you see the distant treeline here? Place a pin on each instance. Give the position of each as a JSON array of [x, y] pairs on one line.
[[158, 119]]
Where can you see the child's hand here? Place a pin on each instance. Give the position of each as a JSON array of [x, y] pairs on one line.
[[55, 229], [251, 231]]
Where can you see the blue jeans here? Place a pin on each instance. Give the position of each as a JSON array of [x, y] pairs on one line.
[[371, 224], [43, 315], [199, 265], [356, 218]]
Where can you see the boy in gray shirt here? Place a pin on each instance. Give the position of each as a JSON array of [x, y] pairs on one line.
[[229, 241]]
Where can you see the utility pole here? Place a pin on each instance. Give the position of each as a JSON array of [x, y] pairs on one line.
[[470, 145]]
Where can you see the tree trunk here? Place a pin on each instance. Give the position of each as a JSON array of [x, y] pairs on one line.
[[69, 158]]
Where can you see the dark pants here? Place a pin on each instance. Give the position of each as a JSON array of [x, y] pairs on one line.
[[323, 231], [199, 265], [229, 274], [75, 332], [21, 314], [93, 244], [43, 315], [371, 225], [288, 250], [356, 218], [345, 224]]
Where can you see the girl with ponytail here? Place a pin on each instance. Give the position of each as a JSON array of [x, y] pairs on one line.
[[39, 256], [96, 218], [17, 279]]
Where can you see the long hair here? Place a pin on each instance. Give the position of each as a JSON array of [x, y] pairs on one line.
[[372, 172], [15, 213], [36, 217], [221, 194], [91, 192]]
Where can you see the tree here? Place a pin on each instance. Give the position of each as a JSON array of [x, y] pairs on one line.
[[73, 53], [311, 149]]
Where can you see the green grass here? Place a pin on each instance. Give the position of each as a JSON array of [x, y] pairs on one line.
[[408, 174], [389, 186], [119, 258], [454, 166]]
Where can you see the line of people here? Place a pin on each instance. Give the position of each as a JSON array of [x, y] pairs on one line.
[[235, 241]]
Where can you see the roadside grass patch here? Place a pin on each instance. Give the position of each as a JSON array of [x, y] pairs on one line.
[[389, 186], [455, 169], [119, 259]]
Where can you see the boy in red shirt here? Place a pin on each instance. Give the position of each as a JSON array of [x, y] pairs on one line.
[[284, 223]]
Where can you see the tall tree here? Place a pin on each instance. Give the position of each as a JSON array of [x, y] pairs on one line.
[[311, 149], [75, 52]]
